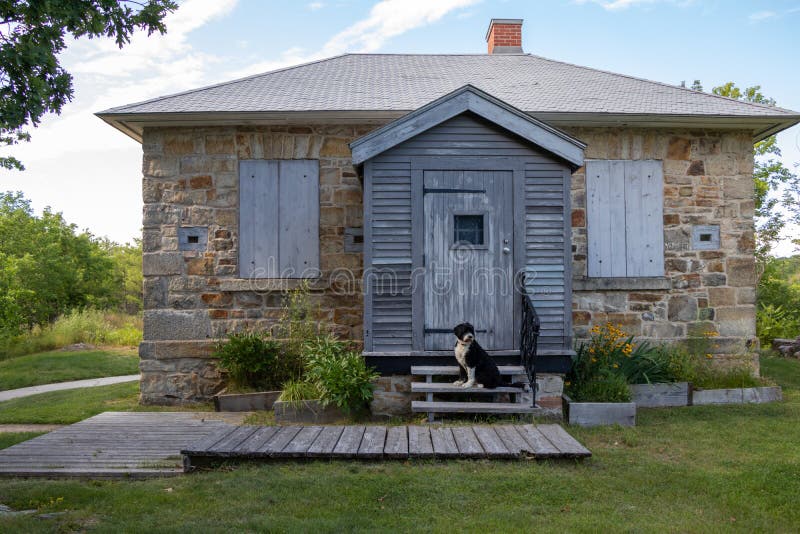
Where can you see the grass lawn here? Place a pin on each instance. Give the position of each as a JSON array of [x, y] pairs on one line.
[[63, 366], [73, 405], [682, 469], [8, 439]]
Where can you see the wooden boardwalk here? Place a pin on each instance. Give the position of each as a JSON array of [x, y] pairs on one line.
[[373, 442], [112, 444]]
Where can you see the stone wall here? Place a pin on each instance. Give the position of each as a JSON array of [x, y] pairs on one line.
[[706, 294], [192, 297]]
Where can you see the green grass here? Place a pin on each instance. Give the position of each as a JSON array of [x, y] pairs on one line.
[[692, 469], [8, 439], [57, 366], [73, 405]]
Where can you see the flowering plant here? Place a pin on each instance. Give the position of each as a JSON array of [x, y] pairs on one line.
[[607, 362]]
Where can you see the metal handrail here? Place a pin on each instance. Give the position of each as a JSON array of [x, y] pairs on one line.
[[529, 339]]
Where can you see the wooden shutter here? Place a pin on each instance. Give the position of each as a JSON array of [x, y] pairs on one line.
[[624, 218], [644, 218], [299, 219], [278, 218]]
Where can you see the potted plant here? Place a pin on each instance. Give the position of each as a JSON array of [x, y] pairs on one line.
[[256, 366], [596, 390], [336, 383]]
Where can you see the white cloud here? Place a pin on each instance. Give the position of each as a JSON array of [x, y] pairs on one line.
[[761, 15], [618, 5], [315, 6], [386, 19]]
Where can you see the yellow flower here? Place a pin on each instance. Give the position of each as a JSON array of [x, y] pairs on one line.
[[709, 356], [567, 383], [615, 366], [594, 360]]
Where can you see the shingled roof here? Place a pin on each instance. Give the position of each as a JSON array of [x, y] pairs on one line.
[[402, 82]]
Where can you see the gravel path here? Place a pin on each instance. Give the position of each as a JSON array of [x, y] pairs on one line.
[[75, 384]]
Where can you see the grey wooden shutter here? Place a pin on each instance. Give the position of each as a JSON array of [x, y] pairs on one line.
[[299, 219], [644, 218], [624, 218], [258, 218], [278, 218]]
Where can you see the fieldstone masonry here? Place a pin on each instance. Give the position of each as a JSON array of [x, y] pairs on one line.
[[705, 294], [193, 297]]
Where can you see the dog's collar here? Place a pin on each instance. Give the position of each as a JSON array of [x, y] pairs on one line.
[[463, 343]]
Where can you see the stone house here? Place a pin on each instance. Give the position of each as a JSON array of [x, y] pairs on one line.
[[412, 190]]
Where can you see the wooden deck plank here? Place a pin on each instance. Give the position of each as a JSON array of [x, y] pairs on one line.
[[467, 442], [444, 445], [373, 442], [445, 387], [256, 440], [419, 442], [474, 407], [512, 439], [396, 442], [540, 446], [300, 442], [325, 442], [226, 445], [278, 441], [491, 442], [566, 444], [349, 442]]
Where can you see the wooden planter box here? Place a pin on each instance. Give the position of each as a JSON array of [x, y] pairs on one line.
[[599, 413], [308, 411], [702, 397], [245, 402], [658, 395]]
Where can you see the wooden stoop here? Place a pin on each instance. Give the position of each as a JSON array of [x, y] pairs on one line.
[[521, 397]]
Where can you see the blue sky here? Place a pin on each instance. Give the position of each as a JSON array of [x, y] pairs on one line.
[[78, 165]]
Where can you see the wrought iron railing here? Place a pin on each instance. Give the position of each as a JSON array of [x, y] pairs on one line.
[[529, 338]]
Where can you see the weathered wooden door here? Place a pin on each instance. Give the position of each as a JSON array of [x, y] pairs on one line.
[[469, 261]]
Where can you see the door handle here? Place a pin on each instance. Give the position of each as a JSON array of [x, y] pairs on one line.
[[506, 250]]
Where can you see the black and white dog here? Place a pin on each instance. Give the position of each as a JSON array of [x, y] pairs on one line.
[[476, 366]]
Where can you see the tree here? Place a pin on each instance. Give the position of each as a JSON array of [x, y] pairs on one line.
[[770, 178], [32, 34], [47, 267]]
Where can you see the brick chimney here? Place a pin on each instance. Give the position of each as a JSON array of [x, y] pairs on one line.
[[505, 36]]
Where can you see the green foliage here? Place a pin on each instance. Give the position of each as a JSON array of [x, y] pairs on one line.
[[778, 312], [700, 369], [340, 374], [32, 80], [298, 326], [255, 361], [605, 386], [296, 391], [78, 326]]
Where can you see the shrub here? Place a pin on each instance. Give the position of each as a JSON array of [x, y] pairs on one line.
[[340, 374], [775, 321], [254, 361], [604, 387], [298, 326]]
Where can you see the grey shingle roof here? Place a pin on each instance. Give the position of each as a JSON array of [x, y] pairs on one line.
[[395, 82]]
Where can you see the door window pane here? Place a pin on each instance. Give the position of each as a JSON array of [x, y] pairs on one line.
[[468, 229]]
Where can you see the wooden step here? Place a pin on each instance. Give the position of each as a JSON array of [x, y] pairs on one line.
[[450, 370], [446, 387], [473, 407]]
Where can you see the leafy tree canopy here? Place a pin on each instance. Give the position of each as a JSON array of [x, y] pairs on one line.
[[32, 35]]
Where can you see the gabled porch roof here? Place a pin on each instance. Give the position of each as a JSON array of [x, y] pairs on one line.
[[472, 99]]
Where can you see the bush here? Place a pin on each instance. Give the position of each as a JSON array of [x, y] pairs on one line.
[[340, 374], [254, 361], [776, 322], [605, 387], [702, 372]]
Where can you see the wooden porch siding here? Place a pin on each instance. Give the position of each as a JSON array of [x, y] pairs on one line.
[[374, 442], [112, 445], [388, 229]]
